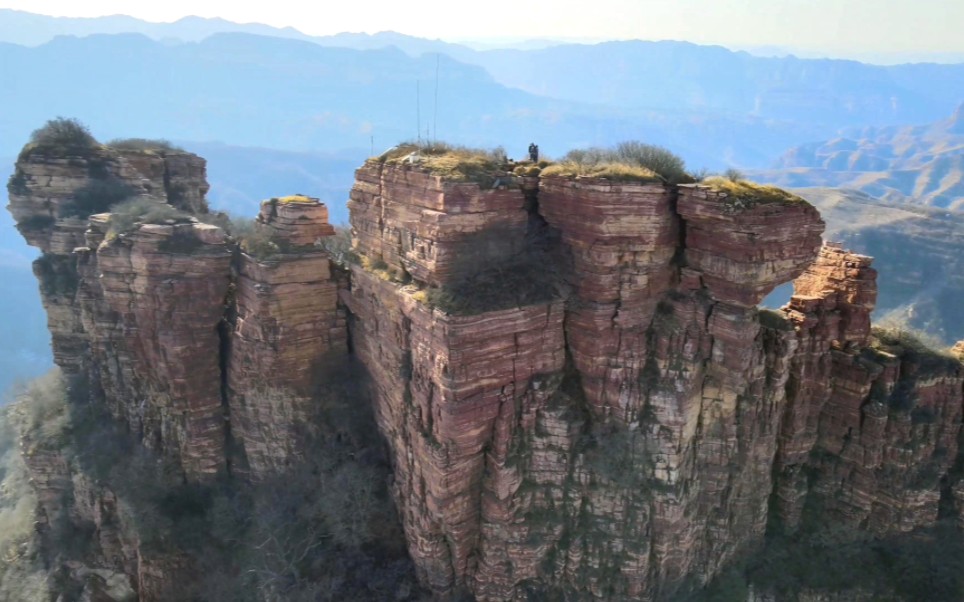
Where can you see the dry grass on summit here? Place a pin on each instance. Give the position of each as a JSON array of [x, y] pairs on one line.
[[455, 163], [750, 192], [614, 170]]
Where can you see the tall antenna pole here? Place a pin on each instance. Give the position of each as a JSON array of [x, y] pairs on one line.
[[435, 108], [418, 114]]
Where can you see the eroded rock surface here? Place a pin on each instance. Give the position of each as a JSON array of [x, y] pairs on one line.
[[288, 322], [639, 427], [641, 449]]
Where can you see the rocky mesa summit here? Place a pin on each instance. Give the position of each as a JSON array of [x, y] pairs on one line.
[[578, 392]]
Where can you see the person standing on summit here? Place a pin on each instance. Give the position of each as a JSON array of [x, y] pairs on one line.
[[533, 152]]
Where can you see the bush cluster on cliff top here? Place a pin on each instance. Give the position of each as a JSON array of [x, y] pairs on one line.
[[927, 352], [750, 192], [630, 160], [456, 163], [63, 133]]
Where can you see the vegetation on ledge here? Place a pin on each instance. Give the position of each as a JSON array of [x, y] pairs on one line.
[[129, 214], [514, 282], [295, 198], [627, 161], [454, 163], [774, 320], [750, 193], [324, 528], [620, 172], [150, 145], [63, 134], [98, 196], [914, 346]]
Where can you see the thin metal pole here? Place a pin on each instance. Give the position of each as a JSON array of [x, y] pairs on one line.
[[435, 108]]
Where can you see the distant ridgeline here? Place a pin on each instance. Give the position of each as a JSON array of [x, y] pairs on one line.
[[921, 165], [510, 381]]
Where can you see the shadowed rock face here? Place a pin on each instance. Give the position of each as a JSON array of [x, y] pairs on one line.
[[288, 321], [869, 431], [420, 224], [640, 426]]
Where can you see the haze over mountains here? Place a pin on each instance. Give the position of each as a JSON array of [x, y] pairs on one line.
[[918, 252], [907, 164], [299, 92], [277, 111]]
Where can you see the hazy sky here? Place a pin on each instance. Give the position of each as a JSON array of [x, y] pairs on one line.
[[830, 26]]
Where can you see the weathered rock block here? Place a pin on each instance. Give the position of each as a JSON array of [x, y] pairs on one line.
[[743, 250], [424, 225]]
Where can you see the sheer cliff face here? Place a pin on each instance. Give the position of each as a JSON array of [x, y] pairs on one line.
[[140, 311], [176, 328], [632, 432], [641, 426], [288, 321], [188, 342]]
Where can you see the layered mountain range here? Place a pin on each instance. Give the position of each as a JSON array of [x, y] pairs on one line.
[[577, 392], [905, 164], [917, 249]]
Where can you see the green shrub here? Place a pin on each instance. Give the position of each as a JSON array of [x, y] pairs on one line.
[[22, 575], [144, 144], [181, 241], [734, 175], [17, 184], [339, 247], [260, 243], [921, 565], [36, 223], [516, 282], [63, 133], [668, 165], [379, 264], [98, 196], [774, 320], [927, 352], [630, 160], [57, 275]]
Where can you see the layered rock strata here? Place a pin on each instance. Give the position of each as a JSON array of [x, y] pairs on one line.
[[151, 302], [175, 331], [869, 430], [288, 321], [422, 225], [642, 450], [638, 427]]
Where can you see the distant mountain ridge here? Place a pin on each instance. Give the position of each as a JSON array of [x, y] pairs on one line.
[[919, 252], [664, 76], [249, 90], [917, 164]]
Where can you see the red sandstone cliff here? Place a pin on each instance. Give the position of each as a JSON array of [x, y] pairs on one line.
[[642, 424], [616, 443]]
